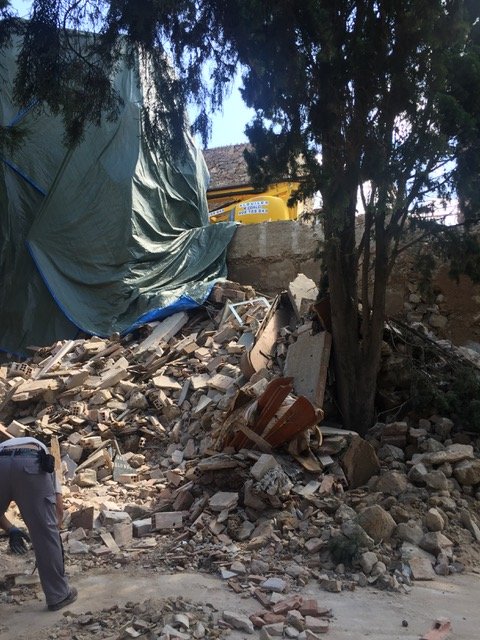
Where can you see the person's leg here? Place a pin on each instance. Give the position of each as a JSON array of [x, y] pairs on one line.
[[33, 491], [5, 484]]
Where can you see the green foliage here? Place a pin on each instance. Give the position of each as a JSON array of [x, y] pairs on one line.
[[427, 396], [424, 267], [11, 138], [344, 550], [452, 391], [463, 398]]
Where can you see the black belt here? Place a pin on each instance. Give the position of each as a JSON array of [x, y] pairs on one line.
[[19, 452]]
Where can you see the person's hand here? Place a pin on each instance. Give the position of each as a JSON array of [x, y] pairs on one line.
[[17, 540]]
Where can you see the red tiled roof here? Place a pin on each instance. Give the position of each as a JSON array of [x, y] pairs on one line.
[[227, 166]]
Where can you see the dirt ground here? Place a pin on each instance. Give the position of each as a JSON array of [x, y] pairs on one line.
[[363, 613]]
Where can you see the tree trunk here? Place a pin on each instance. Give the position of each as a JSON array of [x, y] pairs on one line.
[[356, 356]]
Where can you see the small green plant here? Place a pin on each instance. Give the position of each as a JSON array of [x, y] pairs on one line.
[[344, 550], [463, 398], [454, 393]]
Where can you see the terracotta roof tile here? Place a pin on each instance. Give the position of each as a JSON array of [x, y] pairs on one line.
[[227, 166]]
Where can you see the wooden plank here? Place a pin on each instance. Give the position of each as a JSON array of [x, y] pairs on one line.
[[55, 451], [163, 331], [299, 417], [109, 542], [67, 347], [4, 432], [265, 340], [256, 439]]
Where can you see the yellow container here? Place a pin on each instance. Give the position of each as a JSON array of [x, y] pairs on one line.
[[254, 210]]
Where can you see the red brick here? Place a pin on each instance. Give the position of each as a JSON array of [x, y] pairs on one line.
[[294, 602]]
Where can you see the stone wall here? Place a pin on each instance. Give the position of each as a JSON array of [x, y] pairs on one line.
[[450, 309], [270, 255]]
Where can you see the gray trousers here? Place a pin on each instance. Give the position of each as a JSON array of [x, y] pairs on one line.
[[33, 490]]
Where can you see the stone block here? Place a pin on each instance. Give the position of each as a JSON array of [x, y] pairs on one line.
[[392, 483], [360, 462], [142, 527], [167, 520], [238, 621], [123, 533], [274, 584], [274, 630], [111, 518], [75, 451], [223, 500], [377, 522], [421, 568], [467, 472], [83, 518], [316, 625]]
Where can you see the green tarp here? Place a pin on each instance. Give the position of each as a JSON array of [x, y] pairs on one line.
[[102, 237]]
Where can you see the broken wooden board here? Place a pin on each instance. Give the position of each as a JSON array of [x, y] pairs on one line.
[[299, 416], [324, 313], [109, 542], [67, 347], [55, 451], [268, 404], [163, 331], [4, 432], [259, 356]]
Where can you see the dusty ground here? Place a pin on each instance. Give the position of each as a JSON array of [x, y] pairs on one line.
[[364, 613]]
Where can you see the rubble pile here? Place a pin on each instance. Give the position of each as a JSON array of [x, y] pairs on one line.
[[181, 619], [162, 619], [197, 443]]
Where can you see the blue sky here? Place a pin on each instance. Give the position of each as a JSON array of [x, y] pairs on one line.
[[228, 127]]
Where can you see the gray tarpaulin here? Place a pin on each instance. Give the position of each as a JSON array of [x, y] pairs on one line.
[[102, 237]]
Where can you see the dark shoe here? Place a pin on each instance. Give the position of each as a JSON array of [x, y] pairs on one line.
[[72, 596]]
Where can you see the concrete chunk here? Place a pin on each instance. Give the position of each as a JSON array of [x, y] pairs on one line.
[[307, 363], [263, 464], [360, 462], [111, 518], [302, 292], [238, 621], [274, 584], [167, 520], [223, 500], [142, 527], [123, 533]]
